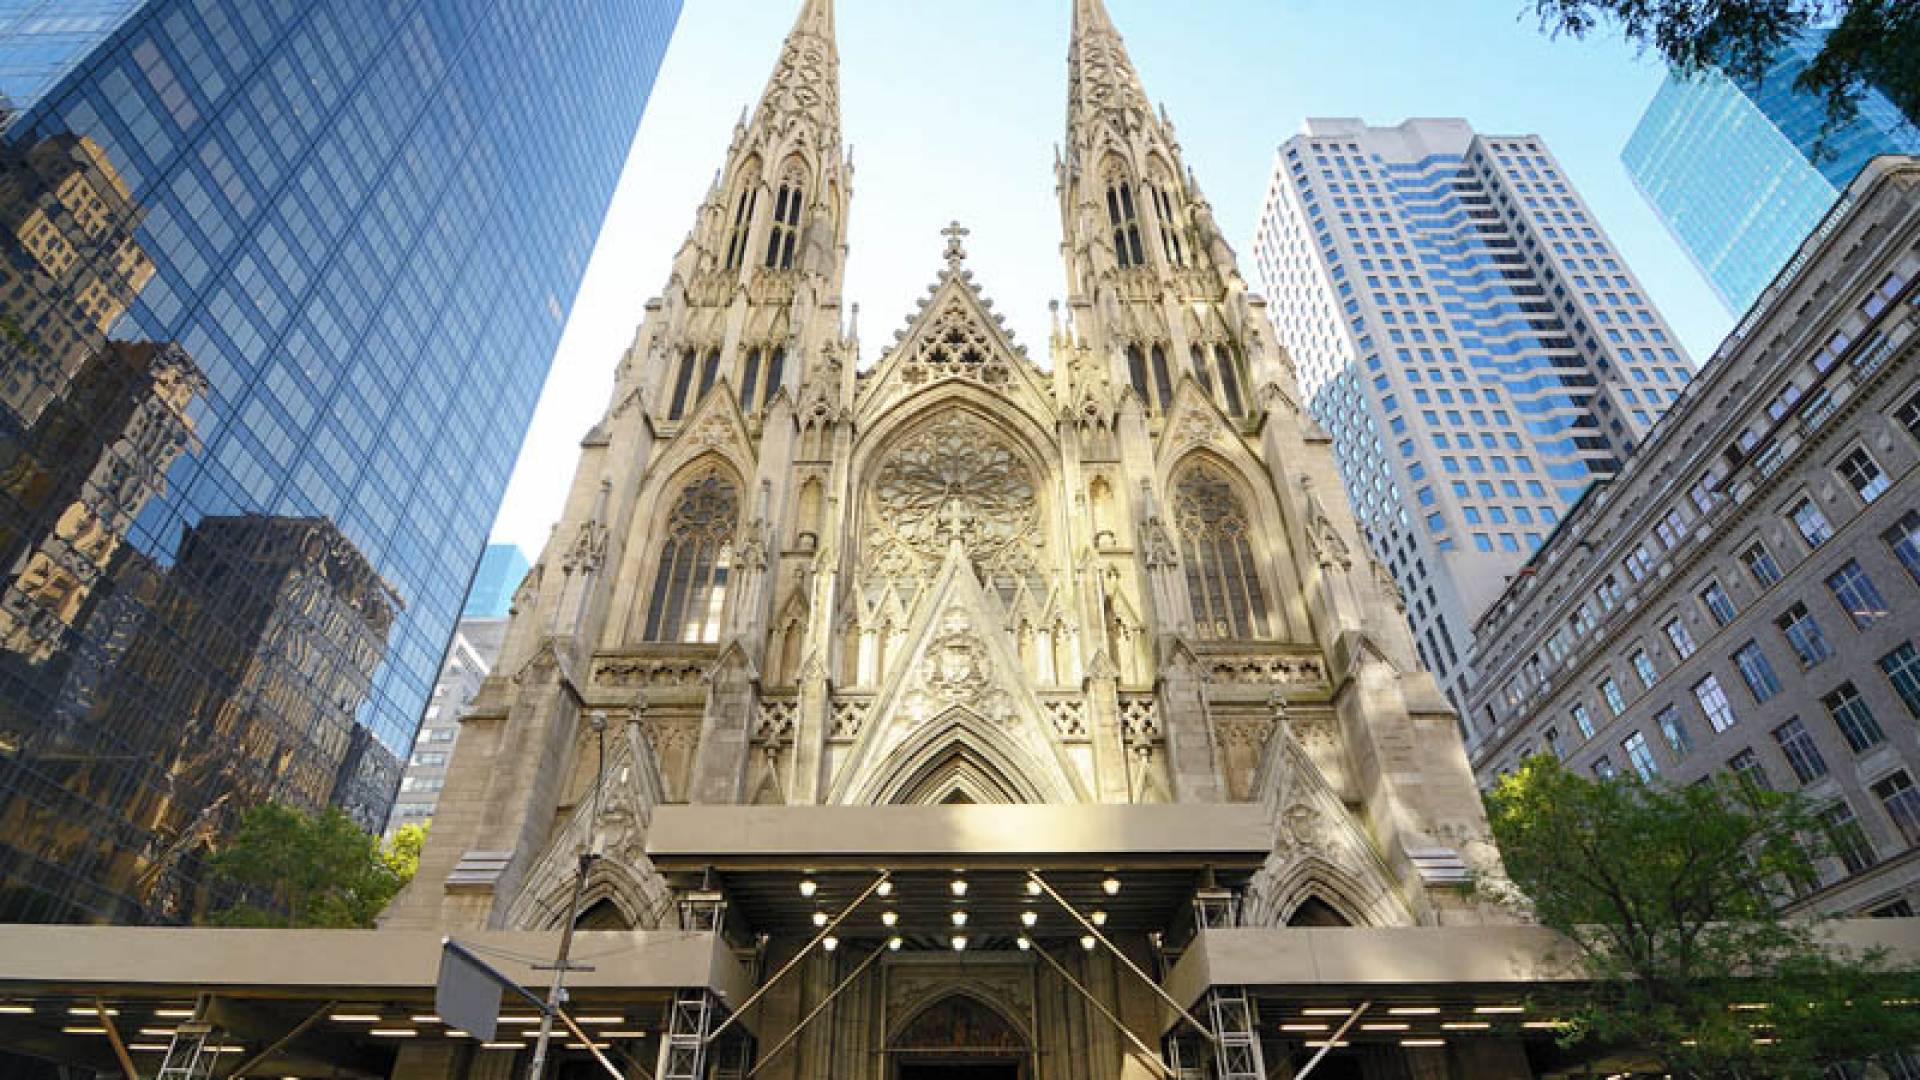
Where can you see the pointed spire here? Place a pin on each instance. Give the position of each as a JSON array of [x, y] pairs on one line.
[[816, 17], [807, 78], [1090, 15], [1101, 77]]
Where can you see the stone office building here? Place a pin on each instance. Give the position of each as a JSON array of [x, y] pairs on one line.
[[1745, 595]]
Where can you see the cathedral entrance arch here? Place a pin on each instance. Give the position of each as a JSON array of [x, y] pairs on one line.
[[959, 1037]]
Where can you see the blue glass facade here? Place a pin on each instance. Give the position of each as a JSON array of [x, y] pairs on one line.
[[500, 573], [1739, 172], [282, 282], [41, 39]]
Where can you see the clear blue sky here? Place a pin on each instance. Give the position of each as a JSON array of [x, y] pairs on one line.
[[953, 111]]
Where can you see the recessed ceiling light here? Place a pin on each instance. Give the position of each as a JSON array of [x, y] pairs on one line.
[[959, 943], [808, 887], [1111, 886], [1028, 918]]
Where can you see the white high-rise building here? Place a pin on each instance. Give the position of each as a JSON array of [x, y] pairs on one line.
[[1472, 341]]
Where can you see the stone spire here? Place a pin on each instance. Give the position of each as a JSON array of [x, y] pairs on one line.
[[1147, 265], [806, 82], [1102, 83]]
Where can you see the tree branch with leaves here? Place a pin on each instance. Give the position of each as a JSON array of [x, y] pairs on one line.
[[294, 869], [1672, 897], [1870, 43]]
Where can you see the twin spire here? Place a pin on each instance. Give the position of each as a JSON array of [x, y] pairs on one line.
[[1101, 75]]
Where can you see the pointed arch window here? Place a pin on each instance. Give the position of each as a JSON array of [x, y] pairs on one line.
[[742, 226], [709, 371], [1169, 227], [1125, 218], [1137, 372], [1162, 378], [1223, 581], [749, 379], [682, 382], [760, 376], [786, 223], [690, 583], [1218, 373]]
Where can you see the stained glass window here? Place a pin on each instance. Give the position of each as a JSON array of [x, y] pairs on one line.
[[1223, 583], [690, 586]]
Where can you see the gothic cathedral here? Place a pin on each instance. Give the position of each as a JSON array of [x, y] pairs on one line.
[[964, 616]]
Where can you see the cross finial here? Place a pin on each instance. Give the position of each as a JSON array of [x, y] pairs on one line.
[[956, 254]]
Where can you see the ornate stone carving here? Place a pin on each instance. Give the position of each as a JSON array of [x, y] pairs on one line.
[[1292, 670], [953, 481], [1323, 538], [1069, 719], [776, 722], [849, 716], [650, 671], [957, 670], [1140, 719]]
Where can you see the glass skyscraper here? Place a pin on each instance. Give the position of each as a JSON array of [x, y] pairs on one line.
[[281, 285], [1738, 170], [491, 595], [1473, 342]]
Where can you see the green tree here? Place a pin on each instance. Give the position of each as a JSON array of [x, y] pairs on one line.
[[1872, 42], [1672, 898], [296, 869]]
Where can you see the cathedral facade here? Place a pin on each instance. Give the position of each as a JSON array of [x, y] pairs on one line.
[[964, 696]]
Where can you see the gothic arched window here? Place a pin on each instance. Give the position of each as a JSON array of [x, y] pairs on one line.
[[1223, 582], [1137, 372], [1169, 227], [709, 371], [749, 379], [1125, 218], [1202, 369], [786, 224], [760, 376], [1162, 378], [682, 382], [742, 225], [690, 585], [1229, 367]]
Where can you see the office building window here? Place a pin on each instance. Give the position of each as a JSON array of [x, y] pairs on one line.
[[1846, 837], [1854, 719], [1804, 635], [1812, 524], [1674, 730], [1757, 671], [1857, 596], [1583, 720], [1863, 475], [1759, 562], [1904, 540], [1610, 692], [1643, 667], [1714, 704], [1640, 756], [1901, 800], [1796, 742], [1718, 604], [1682, 640], [1902, 668], [1748, 771]]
